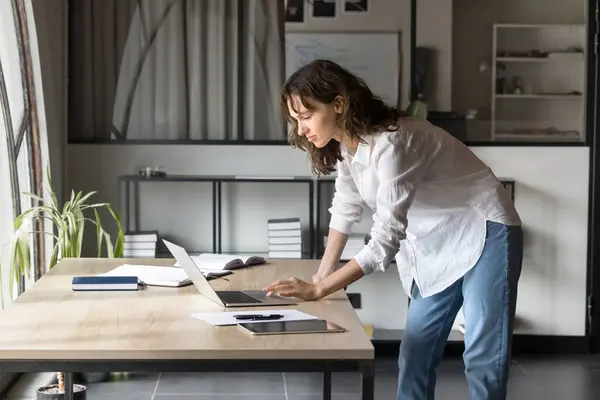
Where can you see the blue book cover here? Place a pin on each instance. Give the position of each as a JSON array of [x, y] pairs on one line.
[[105, 283]]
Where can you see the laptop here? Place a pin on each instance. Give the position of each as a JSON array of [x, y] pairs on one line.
[[225, 298]]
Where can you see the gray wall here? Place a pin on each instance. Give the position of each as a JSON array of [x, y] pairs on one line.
[[50, 21]]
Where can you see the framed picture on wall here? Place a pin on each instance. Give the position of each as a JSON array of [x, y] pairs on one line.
[[355, 6], [294, 11], [323, 8]]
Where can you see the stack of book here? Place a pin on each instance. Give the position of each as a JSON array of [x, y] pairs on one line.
[[140, 244], [285, 238], [354, 245]]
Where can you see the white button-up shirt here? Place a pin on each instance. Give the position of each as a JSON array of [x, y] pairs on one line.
[[431, 198]]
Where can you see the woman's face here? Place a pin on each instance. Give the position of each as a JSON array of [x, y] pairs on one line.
[[320, 124]]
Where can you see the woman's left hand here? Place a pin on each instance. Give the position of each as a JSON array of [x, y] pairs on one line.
[[294, 287]]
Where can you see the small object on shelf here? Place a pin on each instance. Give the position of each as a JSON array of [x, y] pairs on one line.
[[151, 172], [518, 85], [522, 54], [142, 244], [284, 237], [500, 77], [417, 109]]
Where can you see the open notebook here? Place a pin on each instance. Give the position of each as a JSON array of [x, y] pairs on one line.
[[225, 262], [152, 275]]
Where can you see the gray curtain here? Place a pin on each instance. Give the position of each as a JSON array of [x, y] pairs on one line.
[[263, 69], [190, 69], [98, 30]]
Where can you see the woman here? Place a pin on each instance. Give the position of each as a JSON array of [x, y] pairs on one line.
[[438, 209]]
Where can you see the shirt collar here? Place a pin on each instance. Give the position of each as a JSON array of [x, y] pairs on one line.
[[363, 151]]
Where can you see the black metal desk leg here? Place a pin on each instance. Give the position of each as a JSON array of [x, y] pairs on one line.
[[136, 194], [311, 212], [121, 202], [127, 208], [220, 226], [368, 380], [327, 385], [318, 236], [214, 215], [68, 385]]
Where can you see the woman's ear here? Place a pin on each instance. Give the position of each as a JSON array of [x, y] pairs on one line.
[[338, 104]]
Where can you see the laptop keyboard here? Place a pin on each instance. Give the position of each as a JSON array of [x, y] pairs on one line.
[[236, 297]]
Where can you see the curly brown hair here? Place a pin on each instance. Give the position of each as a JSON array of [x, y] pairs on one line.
[[363, 112]]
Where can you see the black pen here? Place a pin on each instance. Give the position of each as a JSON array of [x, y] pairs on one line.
[[257, 317]]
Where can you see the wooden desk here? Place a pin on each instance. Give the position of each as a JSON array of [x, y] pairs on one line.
[[52, 328]]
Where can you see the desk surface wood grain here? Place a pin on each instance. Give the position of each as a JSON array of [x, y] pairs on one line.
[[51, 322]]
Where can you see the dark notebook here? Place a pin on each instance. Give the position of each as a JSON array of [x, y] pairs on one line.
[[212, 261]]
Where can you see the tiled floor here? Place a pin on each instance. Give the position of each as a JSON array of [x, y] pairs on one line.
[[547, 378]]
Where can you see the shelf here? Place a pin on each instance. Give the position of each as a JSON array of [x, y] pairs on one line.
[[215, 178], [523, 59], [516, 136], [551, 58], [537, 26], [539, 96]]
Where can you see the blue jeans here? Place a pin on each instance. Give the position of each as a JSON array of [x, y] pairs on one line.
[[488, 294]]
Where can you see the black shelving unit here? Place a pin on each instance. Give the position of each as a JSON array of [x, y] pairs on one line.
[[130, 185]]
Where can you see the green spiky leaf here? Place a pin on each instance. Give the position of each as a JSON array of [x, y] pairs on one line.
[[120, 243], [68, 223]]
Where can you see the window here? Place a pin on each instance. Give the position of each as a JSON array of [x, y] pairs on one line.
[[23, 142]]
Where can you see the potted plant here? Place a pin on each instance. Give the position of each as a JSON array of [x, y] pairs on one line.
[[69, 221], [417, 109]]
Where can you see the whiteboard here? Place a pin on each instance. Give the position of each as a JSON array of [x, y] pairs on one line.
[[375, 57]]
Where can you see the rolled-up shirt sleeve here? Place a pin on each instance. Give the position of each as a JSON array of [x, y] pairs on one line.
[[346, 207], [399, 170]]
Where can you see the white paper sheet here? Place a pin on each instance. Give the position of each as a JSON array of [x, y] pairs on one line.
[[227, 317], [156, 275]]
